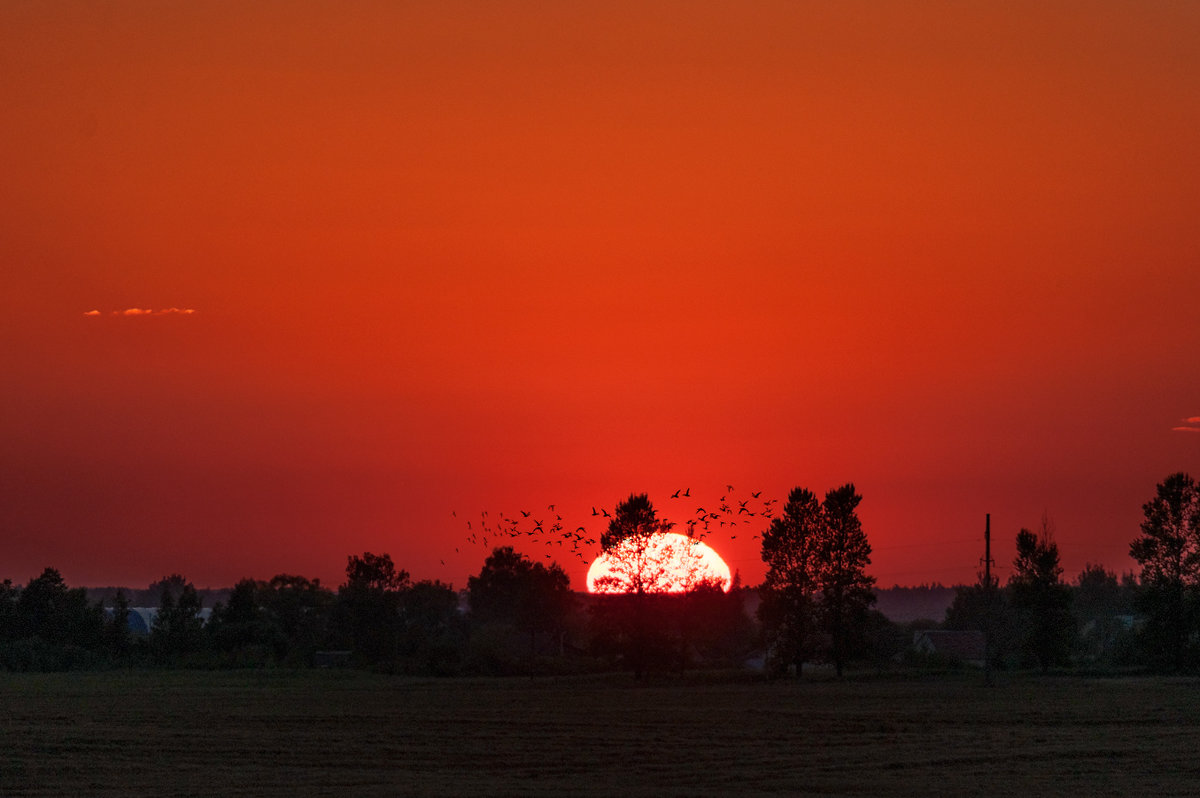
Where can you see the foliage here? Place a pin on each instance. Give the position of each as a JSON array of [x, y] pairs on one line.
[[368, 606], [529, 597], [640, 561], [242, 630], [120, 641], [300, 609], [985, 607], [1168, 551], [846, 590], [431, 628], [1103, 607], [178, 630], [1040, 599], [816, 582], [788, 611]]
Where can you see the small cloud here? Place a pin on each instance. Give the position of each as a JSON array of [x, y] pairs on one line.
[[146, 312], [1193, 425]]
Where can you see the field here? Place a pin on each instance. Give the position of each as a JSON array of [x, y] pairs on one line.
[[342, 733]]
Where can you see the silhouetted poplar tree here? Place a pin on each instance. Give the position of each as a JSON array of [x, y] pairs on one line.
[[1168, 551], [816, 556], [788, 609], [844, 554]]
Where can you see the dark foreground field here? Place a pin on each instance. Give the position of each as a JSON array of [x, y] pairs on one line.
[[314, 733]]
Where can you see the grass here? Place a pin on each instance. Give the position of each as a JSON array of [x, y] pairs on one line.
[[343, 733]]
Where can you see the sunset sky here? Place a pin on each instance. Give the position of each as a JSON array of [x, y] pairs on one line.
[[404, 260]]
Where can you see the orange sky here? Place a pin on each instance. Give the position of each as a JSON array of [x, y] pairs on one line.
[[461, 257]]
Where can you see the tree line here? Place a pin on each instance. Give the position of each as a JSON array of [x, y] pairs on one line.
[[517, 616], [1149, 620]]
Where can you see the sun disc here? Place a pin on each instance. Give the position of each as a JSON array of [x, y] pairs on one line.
[[669, 563]]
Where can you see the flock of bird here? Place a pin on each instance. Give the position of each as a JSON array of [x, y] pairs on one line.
[[549, 529]]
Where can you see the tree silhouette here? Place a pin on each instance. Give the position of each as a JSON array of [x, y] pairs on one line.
[[788, 611], [61, 616], [639, 560], [844, 554], [1040, 599], [1098, 599], [369, 605], [120, 641], [178, 629], [527, 596], [984, 607], [242, 629], [644, 567], [1168, 551], [431, 627], [299, 608], [816, 556]]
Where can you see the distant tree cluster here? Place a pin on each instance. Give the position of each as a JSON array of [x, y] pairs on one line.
[[1145, 620], [517, 616]]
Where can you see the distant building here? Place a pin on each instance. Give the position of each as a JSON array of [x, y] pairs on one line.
[[141, 619], [967, 646]]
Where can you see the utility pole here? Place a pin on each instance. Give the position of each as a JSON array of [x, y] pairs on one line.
[[987, 600]]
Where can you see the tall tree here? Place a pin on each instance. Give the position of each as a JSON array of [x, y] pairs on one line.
[[242, 628], [9, 624], [1099, 599], [432, 628], [847, 592], [529, 597], [816, 556], [61, 616], [178, 628], [638, 560], [369, 605], [120, 639], [788, 610], [644, 570], [1040, 599], [1168, 551], [300, 609]]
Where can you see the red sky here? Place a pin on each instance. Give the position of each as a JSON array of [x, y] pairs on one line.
[[451, 257]]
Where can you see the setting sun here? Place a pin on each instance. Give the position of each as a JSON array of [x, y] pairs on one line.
[[667, 562]]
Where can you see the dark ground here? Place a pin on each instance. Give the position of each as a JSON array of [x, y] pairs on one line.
[[342, 733]]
